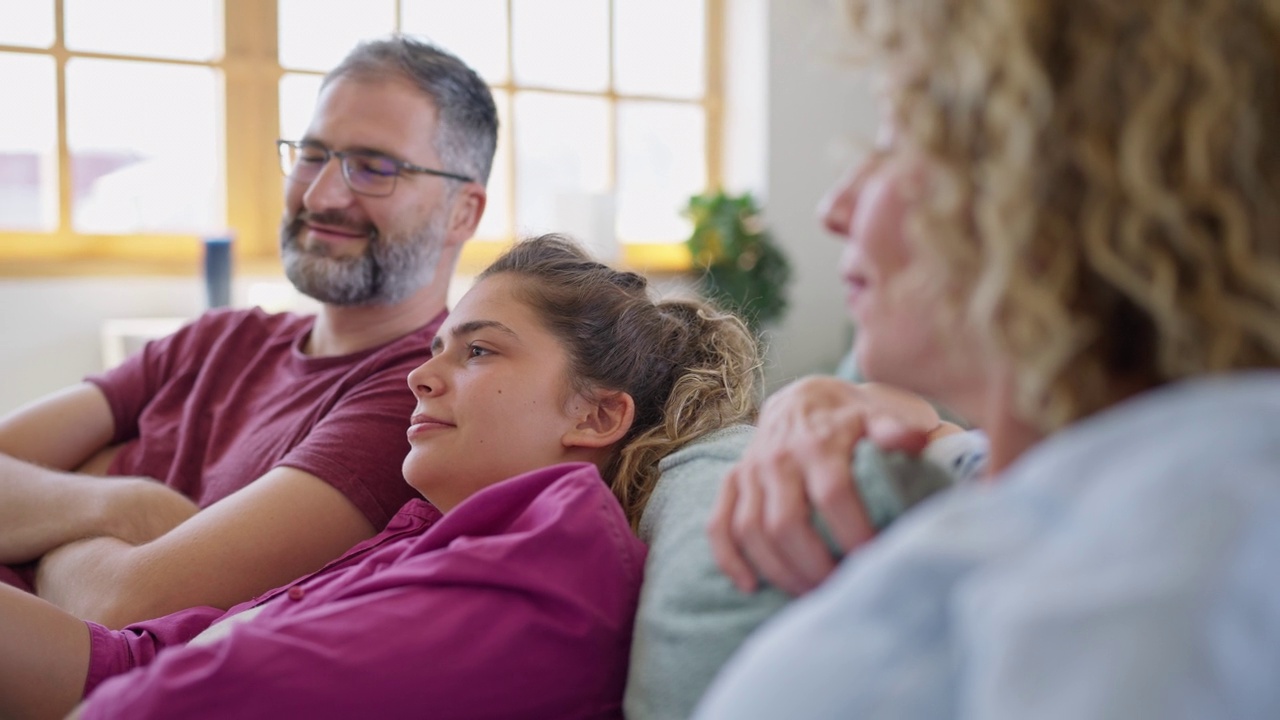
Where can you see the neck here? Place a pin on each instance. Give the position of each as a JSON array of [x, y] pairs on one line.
[[342, 330], [1010, 435]]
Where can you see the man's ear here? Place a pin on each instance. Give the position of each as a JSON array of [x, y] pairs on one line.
[[464, 216], [603, 419]]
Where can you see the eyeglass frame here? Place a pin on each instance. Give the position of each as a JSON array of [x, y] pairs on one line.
[[401, 166]]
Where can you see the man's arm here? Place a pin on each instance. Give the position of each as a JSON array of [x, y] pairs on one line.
[[41, 509], [60, 431], [41, 505], [279, 527]]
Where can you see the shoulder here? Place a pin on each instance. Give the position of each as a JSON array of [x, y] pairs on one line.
[[224, 319], [1156, 514], [690, 479], [1196, 445], [240, 327]]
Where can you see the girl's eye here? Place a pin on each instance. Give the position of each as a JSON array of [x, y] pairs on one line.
[[476, 351]]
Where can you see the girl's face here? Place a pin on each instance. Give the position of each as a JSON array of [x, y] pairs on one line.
[[898, 337], [494, 400]]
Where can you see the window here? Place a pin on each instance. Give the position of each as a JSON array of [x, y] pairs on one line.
[[135, 139]]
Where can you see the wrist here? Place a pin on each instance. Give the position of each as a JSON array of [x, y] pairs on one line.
[[101, 502]]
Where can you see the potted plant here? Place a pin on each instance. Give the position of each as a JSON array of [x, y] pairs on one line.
[[740, 267]]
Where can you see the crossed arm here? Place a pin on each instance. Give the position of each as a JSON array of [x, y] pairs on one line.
[[117, 551]]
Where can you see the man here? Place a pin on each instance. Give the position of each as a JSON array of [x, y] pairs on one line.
[[280, 438]]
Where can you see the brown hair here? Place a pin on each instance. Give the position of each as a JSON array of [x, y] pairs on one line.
[[1103, 190], [467, 131], [689, 368]]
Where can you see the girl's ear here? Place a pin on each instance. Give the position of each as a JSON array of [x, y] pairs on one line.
[[602, 419]]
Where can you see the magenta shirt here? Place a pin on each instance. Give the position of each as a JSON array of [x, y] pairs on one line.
[[518, 603], [230, 396]]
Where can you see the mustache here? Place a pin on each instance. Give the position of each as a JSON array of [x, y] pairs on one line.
[[332, 218]]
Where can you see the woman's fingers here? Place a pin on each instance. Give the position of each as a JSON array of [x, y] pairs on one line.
[[724, 548]]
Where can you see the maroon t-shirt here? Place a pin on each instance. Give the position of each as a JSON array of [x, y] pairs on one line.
[[217, 404]]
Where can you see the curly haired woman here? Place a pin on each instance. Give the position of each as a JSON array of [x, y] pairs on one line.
[[1070, 233]]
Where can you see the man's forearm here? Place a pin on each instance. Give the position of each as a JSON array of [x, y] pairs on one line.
[[88, 579], [42, 509]]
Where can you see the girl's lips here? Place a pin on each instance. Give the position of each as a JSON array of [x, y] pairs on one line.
[[419, 424]]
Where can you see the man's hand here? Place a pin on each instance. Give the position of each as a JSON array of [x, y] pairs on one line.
[[801, 460], [42, 509], [42, 504]]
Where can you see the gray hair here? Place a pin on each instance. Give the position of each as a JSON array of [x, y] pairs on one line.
[[468, 119]]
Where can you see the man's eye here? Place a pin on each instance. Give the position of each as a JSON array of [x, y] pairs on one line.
[[311, 156], [376, 165]]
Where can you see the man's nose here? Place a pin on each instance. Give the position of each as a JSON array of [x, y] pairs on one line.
[[328, 189]]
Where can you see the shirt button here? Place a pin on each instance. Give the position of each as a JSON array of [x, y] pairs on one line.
[[296, 593]]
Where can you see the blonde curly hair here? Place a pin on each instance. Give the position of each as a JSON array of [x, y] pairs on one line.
[[1103, 188]]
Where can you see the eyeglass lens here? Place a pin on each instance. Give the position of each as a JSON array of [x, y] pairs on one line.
[[366, 173]]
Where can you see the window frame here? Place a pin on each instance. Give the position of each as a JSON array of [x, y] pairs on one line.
[[251, 73]]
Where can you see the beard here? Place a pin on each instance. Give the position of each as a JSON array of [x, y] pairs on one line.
[[391, 268]]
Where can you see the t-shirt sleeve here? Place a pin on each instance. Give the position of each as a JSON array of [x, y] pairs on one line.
[[130, 385], [359, 445]]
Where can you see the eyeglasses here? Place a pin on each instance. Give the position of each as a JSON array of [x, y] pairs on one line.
[[365, 172]]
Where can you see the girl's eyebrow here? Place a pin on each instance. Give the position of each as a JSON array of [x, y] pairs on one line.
[[469, 328]]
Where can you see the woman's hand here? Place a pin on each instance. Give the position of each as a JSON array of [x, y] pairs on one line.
[[799, 461]]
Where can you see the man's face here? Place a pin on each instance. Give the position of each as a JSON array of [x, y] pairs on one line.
[[348, 249]]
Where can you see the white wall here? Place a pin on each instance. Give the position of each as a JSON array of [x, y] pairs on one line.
[[50, 328], [819, 115], [794, 115]]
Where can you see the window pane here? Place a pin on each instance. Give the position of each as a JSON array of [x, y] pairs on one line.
[[146, 147], [28, 144], [475, 31], [562, 43], [661, 162], [28, 23], [298, 94], [495, 224], [317, 34], [660, 47], [562, 149], [186, 29]]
